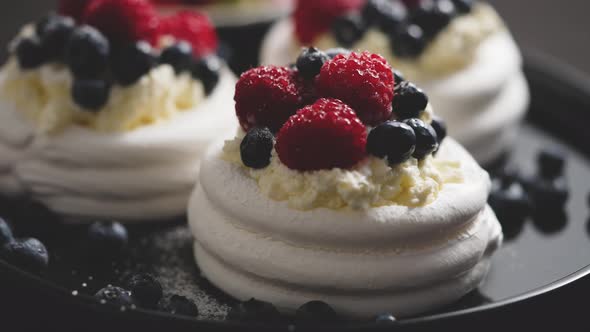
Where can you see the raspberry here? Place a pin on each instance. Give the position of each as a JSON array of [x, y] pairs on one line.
[[362, 80], [267, 97], [124, 21], [325, 135], [313, 17], [72, 8], [194, 28]]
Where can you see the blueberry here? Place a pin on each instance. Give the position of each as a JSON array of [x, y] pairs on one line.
[[115, 295], [398, 77], [408, 41], [392, 139], [146, 289], [348, 29], [179, 56], [208, 71], [333, 52], [256, 148], [463, 6], [254, 311], [87, 52], [180, 305], [5, 233], [42, 23], [107, 239], [409, 101], [385, 318], [440, 127], [510, 202], [385, 14], [29, 254], [547, 194], [91, 94], [551, 163], [30, 53], [426, 140], [315, 312], [55, 35], [132, 62], [433, 16], [310, 61]]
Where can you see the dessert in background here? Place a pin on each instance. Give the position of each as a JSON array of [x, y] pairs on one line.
[[459, 51], [106, 109], [231, 12], [340, 187]]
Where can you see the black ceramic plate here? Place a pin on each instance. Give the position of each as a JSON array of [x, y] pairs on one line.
[[536, 278]]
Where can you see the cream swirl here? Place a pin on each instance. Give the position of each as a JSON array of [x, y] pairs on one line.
[[384, 259], [482, 93], [137, 175]]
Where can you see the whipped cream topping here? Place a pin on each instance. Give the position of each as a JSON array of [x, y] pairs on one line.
[[44, 95], [371, 183], [391, 258], [138, 175]]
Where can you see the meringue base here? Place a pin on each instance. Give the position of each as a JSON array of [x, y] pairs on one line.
[[388, 259], [140, 176]]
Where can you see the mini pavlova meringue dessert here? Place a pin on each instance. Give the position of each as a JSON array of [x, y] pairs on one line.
[[326, 194], [459, 51], [106, 113], [226, 13]]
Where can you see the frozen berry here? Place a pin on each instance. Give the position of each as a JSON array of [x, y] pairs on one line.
[[91, 95], [310, 62], [124, 21], [115, 295], [267, 97], [87, 52], [433, 16], [130, 63], [146, 289], [333, 52], [55, 35], [73, 8], [364, 81], [313, 17], [29, 254], [426, 140], [392, 139], [408, 41], [107, 239], [254, 311], [5, 232], [193, 27], [409, 101], [30, 53], [551, 163], [385, 14], [348, 29], [315, 312], [325, 135], [548, 194], [208, 70], [179, 56], [385, 318], [463, 6], [440, 127], [256, 148]]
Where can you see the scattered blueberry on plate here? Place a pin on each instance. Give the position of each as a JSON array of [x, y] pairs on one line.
[[180, 305], [145, 289], [29, 254], [316, 312], [115, 295], [254, 311]]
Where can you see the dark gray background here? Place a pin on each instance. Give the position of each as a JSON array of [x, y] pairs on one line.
[[559, 28]]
